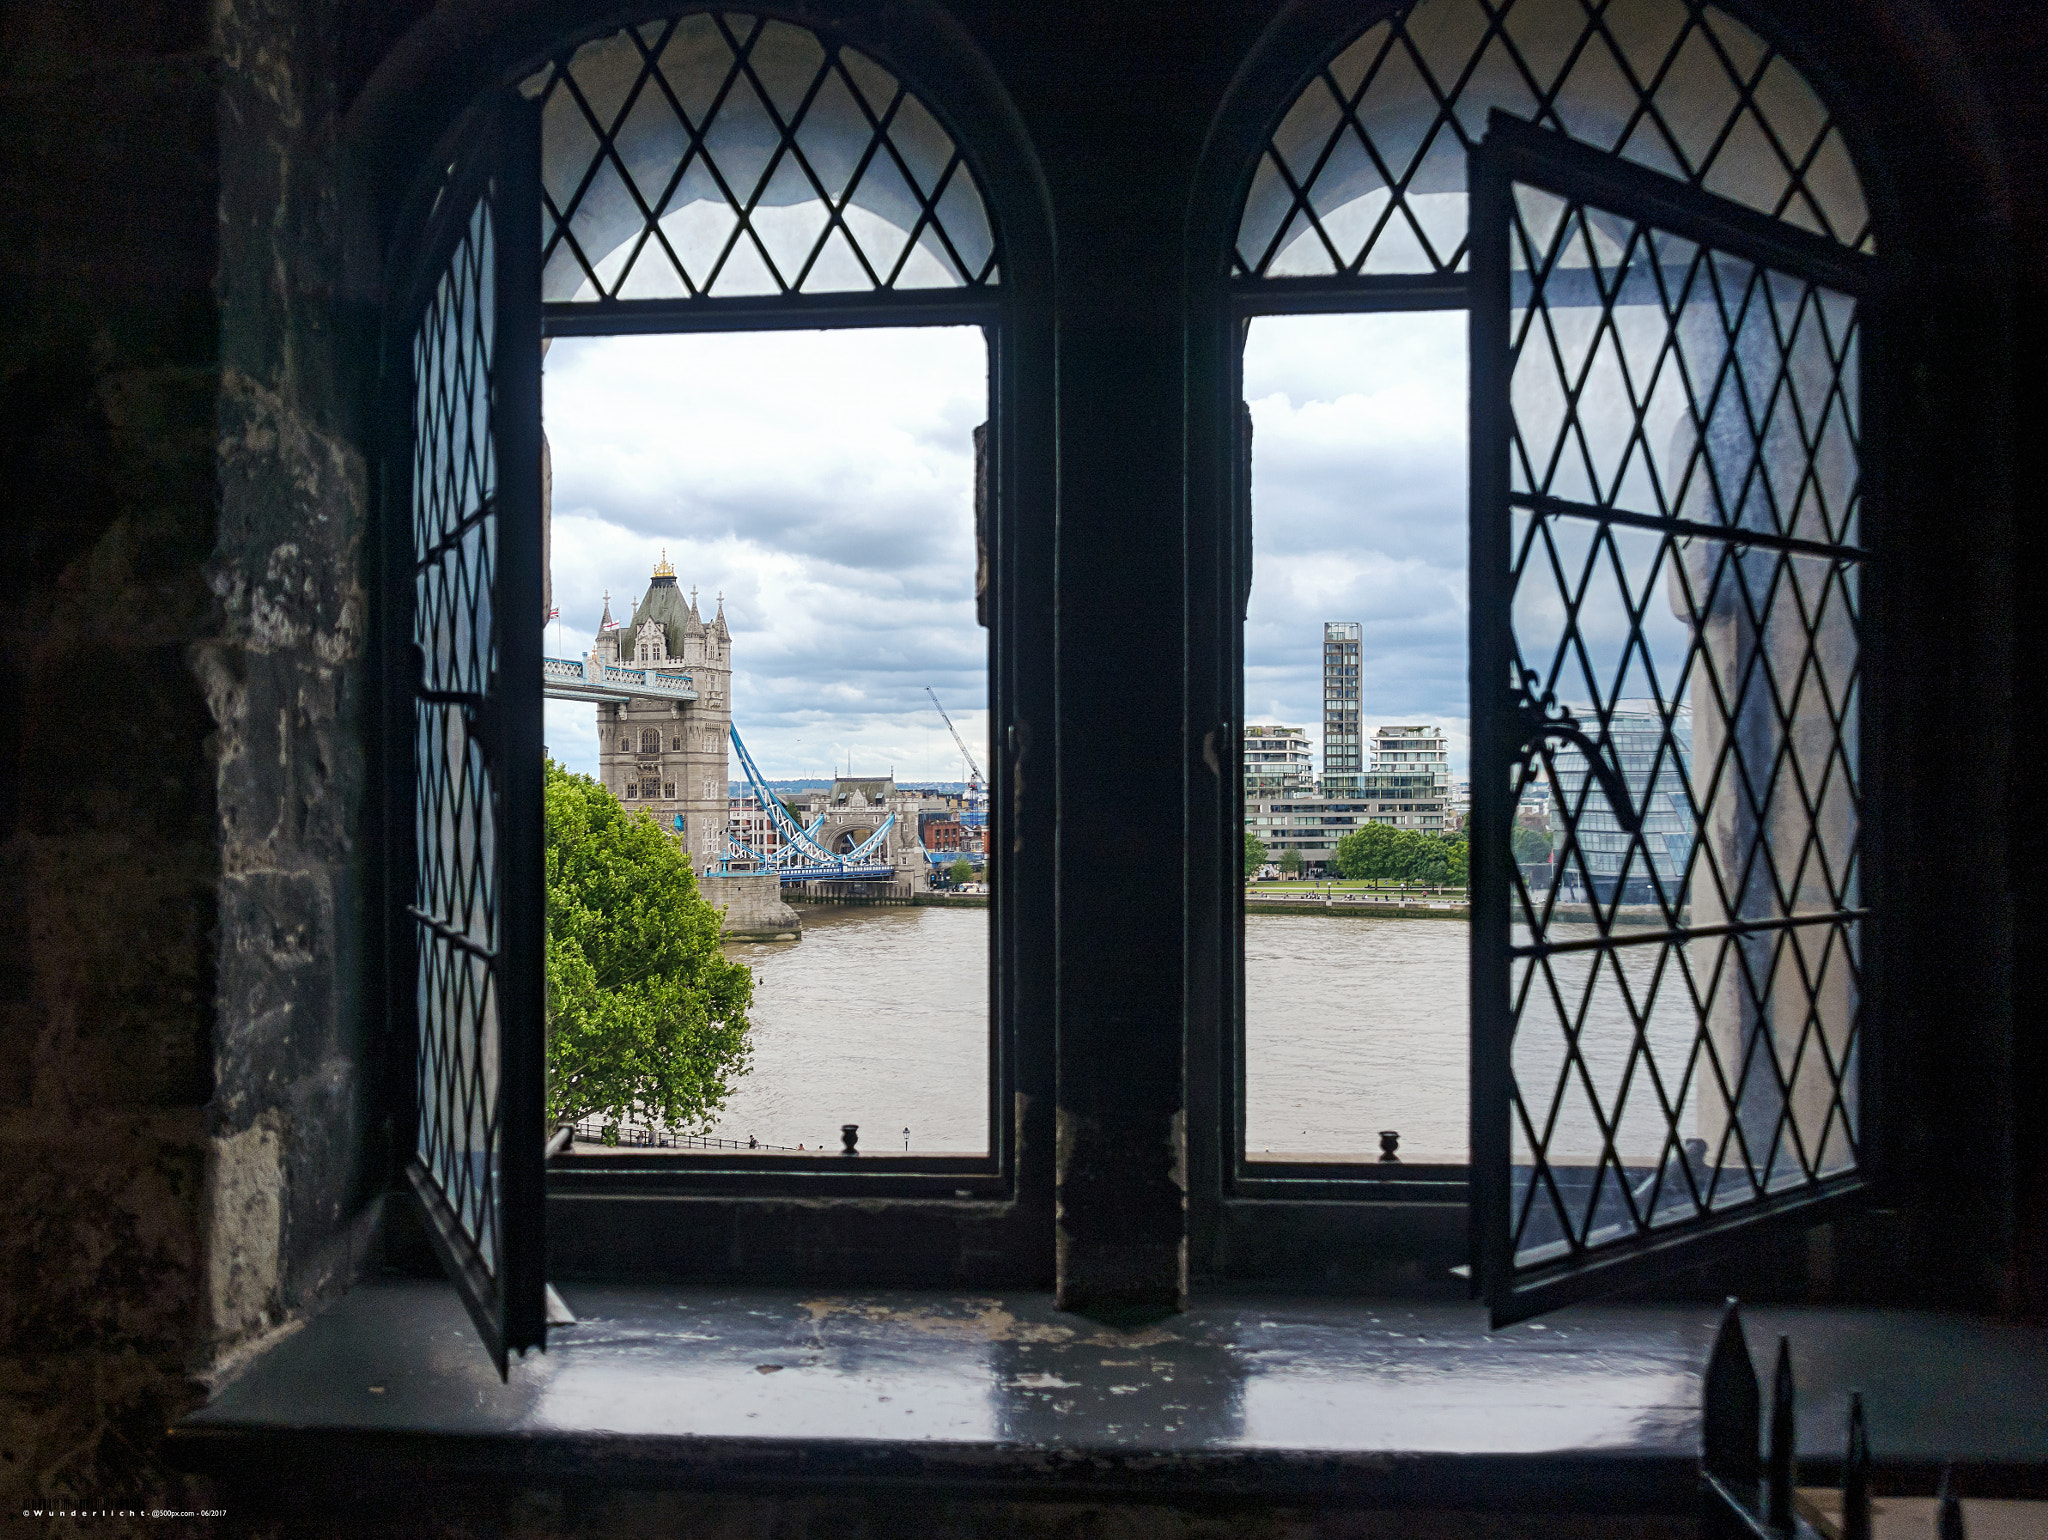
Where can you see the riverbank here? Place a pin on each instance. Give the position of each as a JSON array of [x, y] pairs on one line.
[[1355, 908], [888, 900]]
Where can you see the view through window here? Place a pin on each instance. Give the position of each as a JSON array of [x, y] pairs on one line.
[[1355, 738], [766, 676]]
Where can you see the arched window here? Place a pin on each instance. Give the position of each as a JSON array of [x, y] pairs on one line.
[[1365, 173], [1663, 245], [714, 171]]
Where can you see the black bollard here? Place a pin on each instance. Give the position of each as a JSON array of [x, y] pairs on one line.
[[1390, 1141], [849, 1135], [1779, 1469]]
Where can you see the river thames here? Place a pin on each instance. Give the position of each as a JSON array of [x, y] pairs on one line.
[[879, 1017]]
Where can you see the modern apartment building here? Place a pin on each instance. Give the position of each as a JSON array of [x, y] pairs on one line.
[[1278, 762], [1342, 746], [1409, 784], [1409, 787]]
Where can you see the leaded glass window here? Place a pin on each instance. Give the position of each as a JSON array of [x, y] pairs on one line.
[[1667, 584], [1365, 173], [1680, 1038], [725, 155]]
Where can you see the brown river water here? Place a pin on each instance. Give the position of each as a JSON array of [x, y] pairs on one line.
[[879, 1017]]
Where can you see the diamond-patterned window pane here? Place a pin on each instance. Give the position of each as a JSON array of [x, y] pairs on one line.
[[1366, 171], [720, 154], [1684, 586], [455, 903]]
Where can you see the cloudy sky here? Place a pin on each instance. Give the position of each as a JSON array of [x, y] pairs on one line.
[[823, 482], [1358, 509]]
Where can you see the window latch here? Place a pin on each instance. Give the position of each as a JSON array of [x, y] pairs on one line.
[[1538, 719]]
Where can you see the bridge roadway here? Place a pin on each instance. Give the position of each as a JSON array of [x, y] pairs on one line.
[[593, 679], [801, 859]]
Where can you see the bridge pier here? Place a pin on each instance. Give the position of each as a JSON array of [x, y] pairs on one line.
[[754, 910]]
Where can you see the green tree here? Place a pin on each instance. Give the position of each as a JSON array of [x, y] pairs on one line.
[[1368, 852], [645, 1016], [1254, 852], [1531, 845], [1460, 851], [1290, 862], [960, 872], [1424, 858]]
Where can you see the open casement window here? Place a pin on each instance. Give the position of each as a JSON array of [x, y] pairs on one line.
[[462, 646], [1666, 629], [1358, 204]]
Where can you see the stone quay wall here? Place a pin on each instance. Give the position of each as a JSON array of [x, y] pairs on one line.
[[754, 910]]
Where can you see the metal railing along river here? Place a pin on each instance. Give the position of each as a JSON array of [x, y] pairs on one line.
[[645, 1136]]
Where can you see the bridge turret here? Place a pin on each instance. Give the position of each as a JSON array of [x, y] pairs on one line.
[[668, 755]]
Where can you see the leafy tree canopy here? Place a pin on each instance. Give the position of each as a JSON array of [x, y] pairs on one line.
[[960, 871], [1378, 851], [1254, 852], [1290, 861], [1531, 845], [645, 1016]]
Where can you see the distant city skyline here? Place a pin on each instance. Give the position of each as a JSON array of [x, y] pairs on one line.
[[822, 483]]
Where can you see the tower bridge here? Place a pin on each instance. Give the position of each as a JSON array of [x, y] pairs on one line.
[[661, 685]]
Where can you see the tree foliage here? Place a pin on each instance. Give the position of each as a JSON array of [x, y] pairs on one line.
[[960, 871], [645, 1016], [1532, 846], [1254, 852], [1378, 851], [1290, 861]]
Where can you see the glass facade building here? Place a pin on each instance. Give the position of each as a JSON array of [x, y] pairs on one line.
[[1657, 782]]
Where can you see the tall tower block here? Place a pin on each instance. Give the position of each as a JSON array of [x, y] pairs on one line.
[[1341, 746], [670, 757]]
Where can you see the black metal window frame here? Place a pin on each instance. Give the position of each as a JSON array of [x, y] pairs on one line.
[[1518, 155], [873, 1219], [1274, 1178], [1350, 1227], [674, 1213], [459, 919]]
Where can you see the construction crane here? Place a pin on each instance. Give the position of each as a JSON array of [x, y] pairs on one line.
[[973, 770]]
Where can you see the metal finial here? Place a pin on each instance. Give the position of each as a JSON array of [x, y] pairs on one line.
[[1948, 1514], [1856, 1474], [1779, 1470], [1731, 1407]]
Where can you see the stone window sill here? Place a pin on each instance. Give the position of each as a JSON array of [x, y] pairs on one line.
[[1375, 1403]]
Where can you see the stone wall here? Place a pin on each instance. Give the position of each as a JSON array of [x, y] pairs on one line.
[[182, 1062]]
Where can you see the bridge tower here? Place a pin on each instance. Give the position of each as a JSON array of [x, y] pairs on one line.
[[669, 756]]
